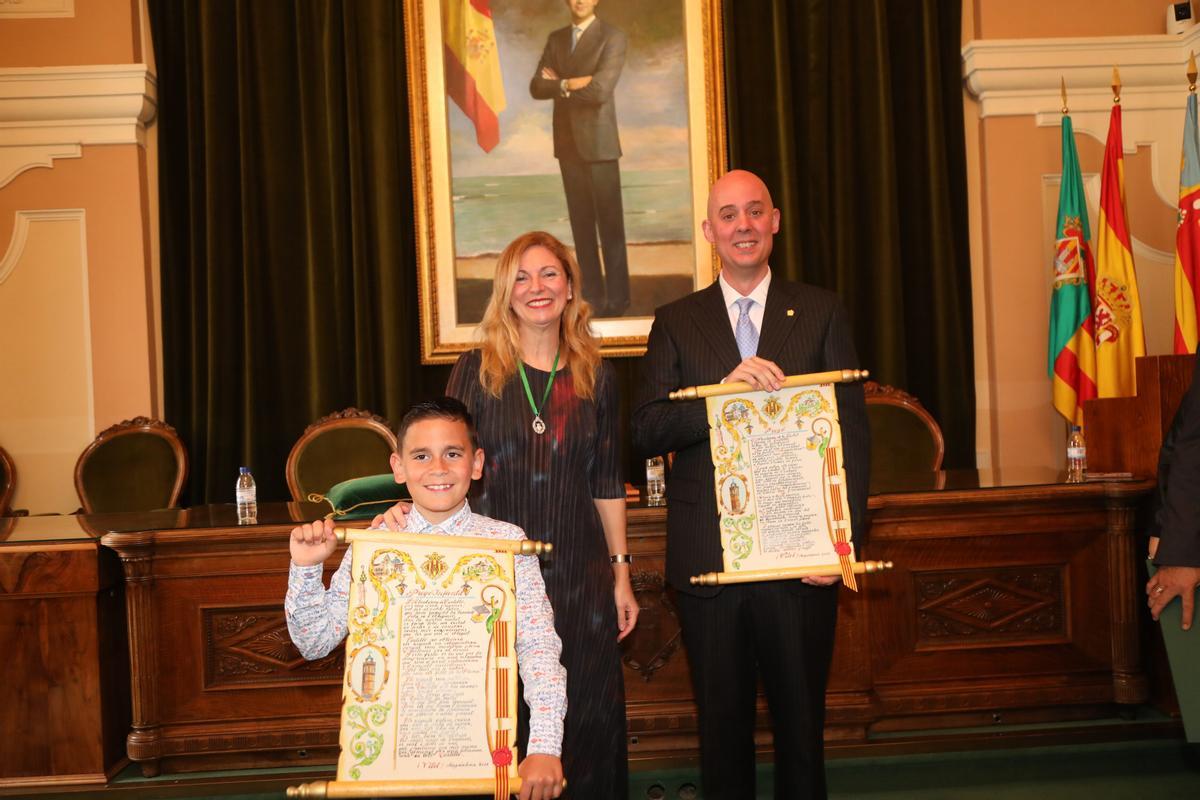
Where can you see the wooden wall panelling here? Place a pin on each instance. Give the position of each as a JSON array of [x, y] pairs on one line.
[[65, 704]]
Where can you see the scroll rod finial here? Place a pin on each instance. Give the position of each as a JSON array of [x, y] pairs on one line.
[[1116, 85], [1191, 72], [1063, 85]]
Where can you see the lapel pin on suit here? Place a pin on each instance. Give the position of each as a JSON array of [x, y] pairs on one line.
[[791, 312]]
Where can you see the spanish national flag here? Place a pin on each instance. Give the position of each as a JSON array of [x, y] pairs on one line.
[[1116, 309], [1187, 236], [1072, 352], [473, 79]]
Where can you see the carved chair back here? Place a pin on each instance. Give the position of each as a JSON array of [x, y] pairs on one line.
[[905, 438], [343, 445], [139, 464], [8, 481]]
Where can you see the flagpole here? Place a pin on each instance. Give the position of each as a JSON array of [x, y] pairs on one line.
[[1116, 86], [1191, 73]]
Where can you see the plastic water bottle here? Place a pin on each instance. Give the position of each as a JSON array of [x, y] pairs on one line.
[[655, 481], [1076, 456], [247, 498]]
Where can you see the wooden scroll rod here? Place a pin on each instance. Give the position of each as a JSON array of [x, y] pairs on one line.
[[431, 788], [785, 573], [734, 387], [524, 547]]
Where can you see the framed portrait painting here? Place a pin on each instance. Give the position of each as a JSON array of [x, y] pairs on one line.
[[602, 123]]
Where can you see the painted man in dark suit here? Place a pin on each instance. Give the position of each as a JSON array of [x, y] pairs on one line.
[[1177, 523], [579, 70], [781, 630]]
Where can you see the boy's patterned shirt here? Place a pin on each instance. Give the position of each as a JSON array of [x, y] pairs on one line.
[[317, 621]]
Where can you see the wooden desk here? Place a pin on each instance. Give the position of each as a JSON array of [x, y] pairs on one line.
[[216, 680], [1014, 600], [64, 700]]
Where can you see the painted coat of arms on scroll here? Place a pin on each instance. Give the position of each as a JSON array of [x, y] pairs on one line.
[[779, 480], [431, 673]]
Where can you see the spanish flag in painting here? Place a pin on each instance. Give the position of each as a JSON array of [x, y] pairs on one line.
[[1187, 236], [1072, 353], [1116, 310], [473, 78]]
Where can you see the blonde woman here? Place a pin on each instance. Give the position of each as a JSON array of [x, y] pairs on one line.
[[545, 405]]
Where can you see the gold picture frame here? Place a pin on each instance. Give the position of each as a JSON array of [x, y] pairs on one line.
[[453, 286]]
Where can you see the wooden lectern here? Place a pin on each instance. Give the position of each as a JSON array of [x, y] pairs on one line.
[[1124, 434]]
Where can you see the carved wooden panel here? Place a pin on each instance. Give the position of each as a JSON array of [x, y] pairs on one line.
[[957, 608], [657, 636], [250, 645]]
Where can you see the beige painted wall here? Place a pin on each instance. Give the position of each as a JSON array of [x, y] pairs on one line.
[[81, 293], [1013, 172], [101, 32]]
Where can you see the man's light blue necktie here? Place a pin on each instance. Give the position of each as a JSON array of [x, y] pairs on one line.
[[744, 332], [574, 37]]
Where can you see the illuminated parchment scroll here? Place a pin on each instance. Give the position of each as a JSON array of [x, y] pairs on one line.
[[429, 703], [780, 483]]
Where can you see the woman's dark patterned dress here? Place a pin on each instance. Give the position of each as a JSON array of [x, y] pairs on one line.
[[546, 484]]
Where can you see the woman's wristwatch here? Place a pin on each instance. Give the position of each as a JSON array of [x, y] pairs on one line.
[[621, 558]]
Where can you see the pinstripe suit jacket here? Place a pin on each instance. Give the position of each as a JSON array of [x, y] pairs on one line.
[[585, 123], [691, 343], [1177, 517]]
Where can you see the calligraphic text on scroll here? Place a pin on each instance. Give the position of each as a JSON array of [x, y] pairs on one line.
[[430, 681], [779, 478]]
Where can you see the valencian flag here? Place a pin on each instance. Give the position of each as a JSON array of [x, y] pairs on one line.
[[473, 66], [1116, 311], [1072, 353], [1187, 236]]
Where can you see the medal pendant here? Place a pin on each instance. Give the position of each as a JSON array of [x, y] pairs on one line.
[[539, 427]]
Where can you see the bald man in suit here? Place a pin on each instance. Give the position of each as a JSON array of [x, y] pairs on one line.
[[781, 630], [579, 70]]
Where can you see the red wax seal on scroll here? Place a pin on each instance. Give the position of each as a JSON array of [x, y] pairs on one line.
[[842, 548], [501, 757]]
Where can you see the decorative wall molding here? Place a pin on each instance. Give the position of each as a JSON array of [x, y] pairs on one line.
[[1019, 77], [15, 160], [23, 219], [36, 9], [42, 106]]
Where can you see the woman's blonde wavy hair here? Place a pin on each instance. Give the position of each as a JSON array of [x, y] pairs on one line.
[[500, 343]]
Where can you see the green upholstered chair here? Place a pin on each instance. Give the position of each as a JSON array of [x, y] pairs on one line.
[[344, 445], [136, 465], [905, 438], [8, 481], [363, 498]]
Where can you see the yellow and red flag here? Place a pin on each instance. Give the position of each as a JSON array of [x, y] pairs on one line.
[[1116, 309], [473, 78], [1187, 236], [1072, 354]]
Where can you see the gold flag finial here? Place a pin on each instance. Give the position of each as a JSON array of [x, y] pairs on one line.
[[1064, 95], [1116, 86], [1191, 73]]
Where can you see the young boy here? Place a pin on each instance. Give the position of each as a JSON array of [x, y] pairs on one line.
[[438, 458]]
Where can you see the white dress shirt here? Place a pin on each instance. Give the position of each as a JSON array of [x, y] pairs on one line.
[[759, 296]]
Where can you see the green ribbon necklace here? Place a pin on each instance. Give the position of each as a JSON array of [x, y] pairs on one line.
[[539, 427]]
